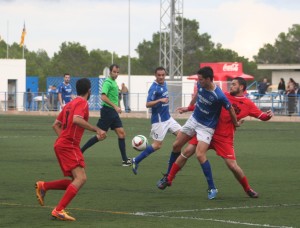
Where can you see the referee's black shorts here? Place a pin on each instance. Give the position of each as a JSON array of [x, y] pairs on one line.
[[109, 119]]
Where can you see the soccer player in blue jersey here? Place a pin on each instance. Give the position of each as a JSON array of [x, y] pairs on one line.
[[209, 101], [161, 120], [65, 91]]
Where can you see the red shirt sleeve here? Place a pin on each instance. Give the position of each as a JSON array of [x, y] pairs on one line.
[[191, 108], [60, 117], [257, 113]]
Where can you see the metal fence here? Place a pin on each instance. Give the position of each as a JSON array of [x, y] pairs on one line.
[[45, 102]]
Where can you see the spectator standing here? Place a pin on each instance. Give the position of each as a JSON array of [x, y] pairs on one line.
[[291, 96], [65, 91], [29, 99], [262, 87], [125, 95], [53, 97], [281, 88]]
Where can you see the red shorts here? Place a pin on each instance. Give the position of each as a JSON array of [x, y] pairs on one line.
[[224, 148], [69, 158]]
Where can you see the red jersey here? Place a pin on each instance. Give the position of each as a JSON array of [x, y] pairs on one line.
[[71, 134], [243, 107]]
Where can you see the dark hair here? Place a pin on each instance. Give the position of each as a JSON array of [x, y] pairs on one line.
[[206, 72], [112, 66], [82, 86], [242, 82], [66, 74], [159, 68]]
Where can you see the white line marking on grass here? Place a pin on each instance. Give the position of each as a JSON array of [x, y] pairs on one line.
[[222, 208], [160, 214], [212, 220]]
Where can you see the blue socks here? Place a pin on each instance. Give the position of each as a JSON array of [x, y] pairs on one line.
[[149, 150], [172, 159], [208, 174]]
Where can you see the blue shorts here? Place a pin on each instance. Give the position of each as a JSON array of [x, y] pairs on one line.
[[109, 119]]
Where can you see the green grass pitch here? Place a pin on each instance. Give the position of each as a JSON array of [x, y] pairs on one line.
[[268, 152]]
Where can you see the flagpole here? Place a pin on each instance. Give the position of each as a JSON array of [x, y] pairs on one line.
[[129, 62], [22, 42], [7, 41]]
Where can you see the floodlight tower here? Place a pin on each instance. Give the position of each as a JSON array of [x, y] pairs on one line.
[[171, 37]]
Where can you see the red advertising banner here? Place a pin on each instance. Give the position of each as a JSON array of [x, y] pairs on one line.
[[227, 70]]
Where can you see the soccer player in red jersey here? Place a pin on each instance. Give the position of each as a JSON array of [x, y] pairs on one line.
[[69, 126], [222, 141]]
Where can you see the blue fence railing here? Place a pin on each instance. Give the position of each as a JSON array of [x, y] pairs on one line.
[[280, 104]]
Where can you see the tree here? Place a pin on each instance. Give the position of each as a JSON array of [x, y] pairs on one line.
[[148, 52], [98, 60], [286, 48], [72, 58], [38, 63]]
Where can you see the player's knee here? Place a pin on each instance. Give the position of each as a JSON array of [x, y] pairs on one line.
[[201, 157], [176, 146], [121, 134], [232, 166], [83, 179], [157, 146]]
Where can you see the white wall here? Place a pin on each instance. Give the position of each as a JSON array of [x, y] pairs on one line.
[[139, 86], [286, 75], [13, 69]]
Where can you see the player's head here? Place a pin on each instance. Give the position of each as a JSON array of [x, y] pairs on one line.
[[114, 71], [160, 75], [206, 72], [67, 78], [83, 87], [205, 77], [238, 86]]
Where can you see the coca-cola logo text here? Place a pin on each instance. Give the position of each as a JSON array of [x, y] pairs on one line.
[[231, 67]]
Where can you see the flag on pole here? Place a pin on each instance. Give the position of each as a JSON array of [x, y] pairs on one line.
[[23, 36]]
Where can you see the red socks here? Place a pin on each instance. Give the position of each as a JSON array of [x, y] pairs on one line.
[[245, 184], [57, 184], [174, 170], [70, 193]]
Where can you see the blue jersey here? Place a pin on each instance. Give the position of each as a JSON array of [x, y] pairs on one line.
[[209, 105], [66, 92], [160, 111]]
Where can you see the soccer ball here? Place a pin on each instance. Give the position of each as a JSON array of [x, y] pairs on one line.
[[139, 142]]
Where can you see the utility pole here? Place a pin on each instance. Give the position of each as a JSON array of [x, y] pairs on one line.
[[171, 37]]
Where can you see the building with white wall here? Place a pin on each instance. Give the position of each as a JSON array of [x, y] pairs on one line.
[[285, 71], [12, 84]]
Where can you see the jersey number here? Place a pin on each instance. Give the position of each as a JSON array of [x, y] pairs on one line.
[[66, 121]]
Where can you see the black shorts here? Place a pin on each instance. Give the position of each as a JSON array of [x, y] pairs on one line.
[[109, 119]]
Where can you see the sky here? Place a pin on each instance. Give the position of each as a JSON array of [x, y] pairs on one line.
[[241, 25]]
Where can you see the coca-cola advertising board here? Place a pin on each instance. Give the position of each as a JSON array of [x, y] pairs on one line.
[[225, 69]]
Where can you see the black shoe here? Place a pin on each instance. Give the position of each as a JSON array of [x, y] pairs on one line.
[[163, 182], [127, 163]]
